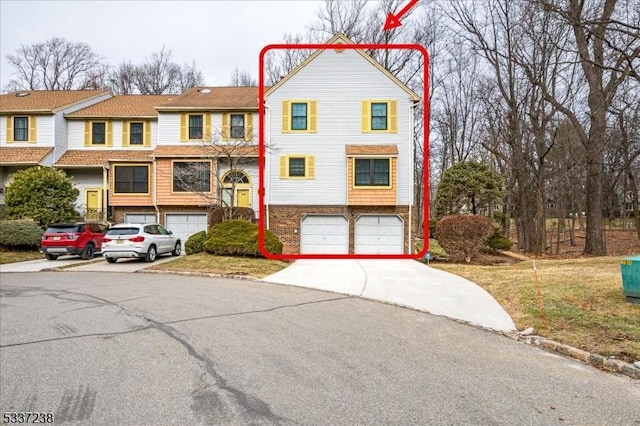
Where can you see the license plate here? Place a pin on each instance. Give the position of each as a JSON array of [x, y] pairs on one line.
[[119, 241], [56, 238]]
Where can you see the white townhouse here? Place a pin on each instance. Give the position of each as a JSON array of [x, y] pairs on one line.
[[339, 157]]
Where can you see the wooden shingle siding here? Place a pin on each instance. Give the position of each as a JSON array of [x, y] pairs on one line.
[[371, 196], [164, 181], [130, 199]]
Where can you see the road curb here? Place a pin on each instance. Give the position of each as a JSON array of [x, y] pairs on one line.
[[611, 365], [200, 274]]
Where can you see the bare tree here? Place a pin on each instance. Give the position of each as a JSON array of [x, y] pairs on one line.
[[160, 75], [228, 157], [56, 64], [606, 37], [122, 79], [242, 78], [279, 62], [189, 77], [340, 16]]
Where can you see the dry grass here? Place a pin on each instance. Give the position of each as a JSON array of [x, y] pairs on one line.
[[19, 256], [226, 265], [583, 300]]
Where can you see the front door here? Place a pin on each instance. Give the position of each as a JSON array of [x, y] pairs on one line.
[[243, 199], [93, 204]]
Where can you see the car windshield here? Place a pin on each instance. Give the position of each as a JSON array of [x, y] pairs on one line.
[[52, 229], [123, 231]]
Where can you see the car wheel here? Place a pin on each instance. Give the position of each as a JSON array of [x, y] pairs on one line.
[[151, 254], [50, 256], [177, 249], [112, 259], [88, 251]]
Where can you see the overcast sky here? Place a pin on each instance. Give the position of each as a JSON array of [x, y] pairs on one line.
[[218, 35]]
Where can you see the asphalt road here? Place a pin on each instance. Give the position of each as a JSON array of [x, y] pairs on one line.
[[146, 349]]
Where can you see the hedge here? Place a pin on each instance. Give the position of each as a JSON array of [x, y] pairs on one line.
[[20, 234], [239, 238]]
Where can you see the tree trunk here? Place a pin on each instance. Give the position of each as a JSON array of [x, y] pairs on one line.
[[595, 244]]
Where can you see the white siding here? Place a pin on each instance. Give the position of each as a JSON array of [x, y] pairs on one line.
[[169, 128], [44, 132], [61, 125], [338, 82], [83, 179], [60, 135], [75, 134], [3, 130]]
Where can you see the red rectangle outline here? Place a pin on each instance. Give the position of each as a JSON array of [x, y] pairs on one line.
[[262, 159]]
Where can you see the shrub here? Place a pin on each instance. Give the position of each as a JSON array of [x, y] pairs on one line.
[[43, 194], [194, 243], [463, 236], [499, 242], [220, 214], [20, 234], [239, 238]]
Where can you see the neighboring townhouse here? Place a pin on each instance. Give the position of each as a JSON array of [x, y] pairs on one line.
[[339, 156], [33, 130], [110, 157], [206, 155]]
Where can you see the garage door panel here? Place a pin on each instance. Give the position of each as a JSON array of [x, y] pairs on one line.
[[324, 234], [139, 218], [379, 234], [185, 225]]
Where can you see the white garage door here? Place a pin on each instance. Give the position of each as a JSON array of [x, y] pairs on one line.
[[327, 234], [379, 234], [139, 218], [185, 225]]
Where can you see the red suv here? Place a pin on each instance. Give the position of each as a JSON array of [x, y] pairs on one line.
[[83, 238]]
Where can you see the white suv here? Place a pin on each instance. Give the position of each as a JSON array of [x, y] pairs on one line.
[[145, 241]]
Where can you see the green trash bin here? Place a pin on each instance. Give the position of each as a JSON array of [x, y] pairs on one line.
[[630, 268]]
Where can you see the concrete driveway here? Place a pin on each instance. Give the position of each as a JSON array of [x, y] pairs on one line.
[[403, 282]]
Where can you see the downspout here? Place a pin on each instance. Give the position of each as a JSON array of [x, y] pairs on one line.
[[412, 189], [105, 187], [267, 165], [155, 189]]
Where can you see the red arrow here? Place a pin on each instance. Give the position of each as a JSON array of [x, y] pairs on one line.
[[393, 21]]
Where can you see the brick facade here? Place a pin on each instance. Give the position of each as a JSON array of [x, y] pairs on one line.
[[284, 221]]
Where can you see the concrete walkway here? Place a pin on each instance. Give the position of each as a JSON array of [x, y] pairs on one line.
[[400, 281]]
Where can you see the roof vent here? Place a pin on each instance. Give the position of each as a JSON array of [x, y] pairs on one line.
[[22, 94], [205, 91]]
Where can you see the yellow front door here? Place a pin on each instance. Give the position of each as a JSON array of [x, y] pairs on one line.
[[242, 198], [93, 205]]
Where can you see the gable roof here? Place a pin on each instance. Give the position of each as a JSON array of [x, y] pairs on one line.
[[123, 106], [45, 101], [342, 39], [214, 98], [23, 155]]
